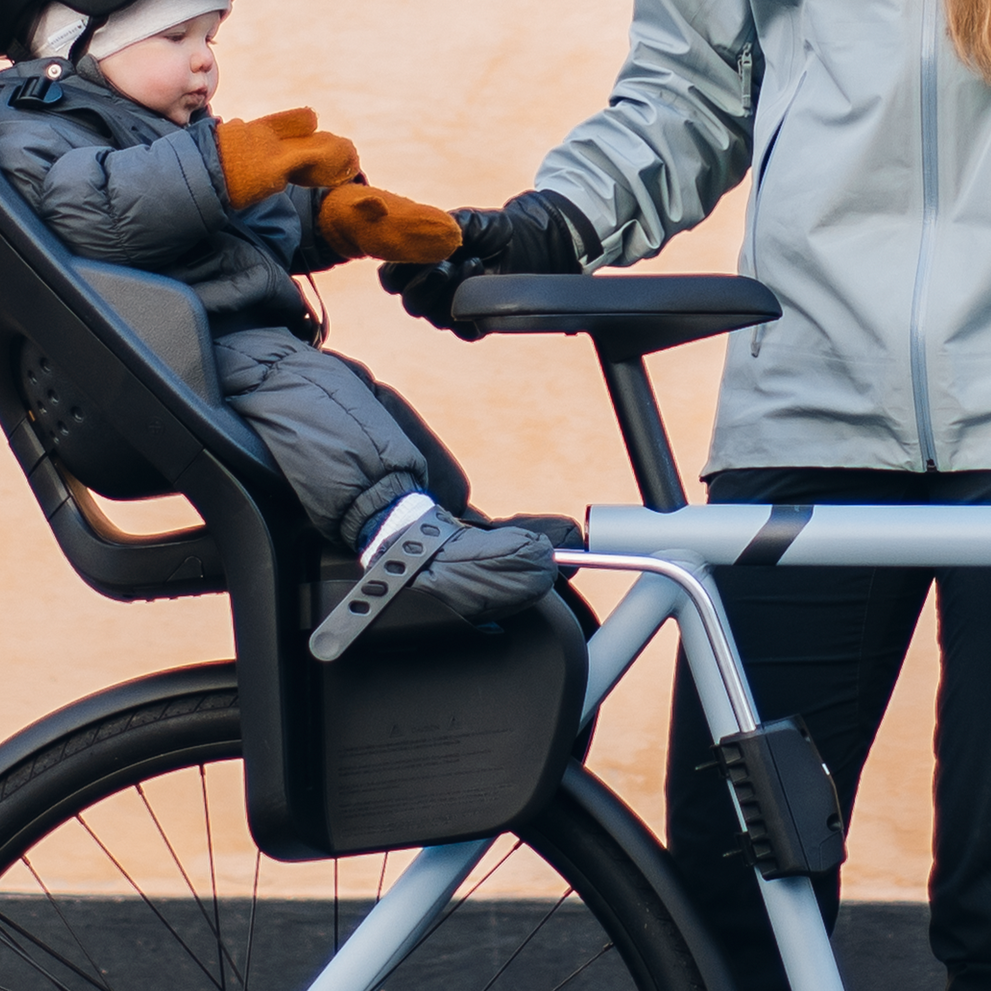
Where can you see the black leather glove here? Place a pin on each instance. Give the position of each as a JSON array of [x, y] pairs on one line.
[[529, 234]]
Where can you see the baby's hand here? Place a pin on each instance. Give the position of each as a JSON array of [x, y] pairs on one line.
[[261, 157], [360, 220]]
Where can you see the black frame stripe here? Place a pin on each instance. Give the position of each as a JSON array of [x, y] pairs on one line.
[[775, 537]]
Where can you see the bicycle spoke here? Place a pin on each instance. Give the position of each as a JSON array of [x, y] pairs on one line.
[[519, 949], [337, 905], [213, 881], [175, 857], [385, 863], [251, 920], [478, 884], [447, 915], [19, 951], [161, 918], [65, 922], [588, 963], [185, 876]]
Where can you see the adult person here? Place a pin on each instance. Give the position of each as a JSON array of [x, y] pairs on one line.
[[866, 124]]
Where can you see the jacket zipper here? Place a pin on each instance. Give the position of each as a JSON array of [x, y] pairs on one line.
[[930, 212], [745, 70]]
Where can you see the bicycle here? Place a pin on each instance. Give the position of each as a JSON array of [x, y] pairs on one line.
[[140, 338]]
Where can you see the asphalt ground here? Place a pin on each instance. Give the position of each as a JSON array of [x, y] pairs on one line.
[[880, 946]]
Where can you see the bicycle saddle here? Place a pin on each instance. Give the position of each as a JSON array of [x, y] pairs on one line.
[[627, 315]]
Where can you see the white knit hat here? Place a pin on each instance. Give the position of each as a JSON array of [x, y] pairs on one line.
[[59, 26]]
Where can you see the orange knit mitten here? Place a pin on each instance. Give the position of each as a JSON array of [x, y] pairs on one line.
[[360, 220], [261, 157]]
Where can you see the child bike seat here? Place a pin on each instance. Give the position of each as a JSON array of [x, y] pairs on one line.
[[107, 383]]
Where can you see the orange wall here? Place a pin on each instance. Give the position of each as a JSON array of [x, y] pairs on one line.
[[455, 103]]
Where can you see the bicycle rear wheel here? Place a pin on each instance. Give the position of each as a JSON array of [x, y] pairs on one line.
[[104, 886]]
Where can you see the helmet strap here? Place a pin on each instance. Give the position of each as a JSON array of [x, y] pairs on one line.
[[81, 43], [17, 52]]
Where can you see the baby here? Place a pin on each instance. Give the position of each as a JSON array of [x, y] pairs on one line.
[[124, 162]]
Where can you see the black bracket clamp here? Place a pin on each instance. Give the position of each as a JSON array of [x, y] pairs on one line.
[[794, 826], [404, 559]]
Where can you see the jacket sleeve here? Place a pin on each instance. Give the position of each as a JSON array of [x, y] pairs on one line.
[[677, 133], [143, 206], [314, 253]]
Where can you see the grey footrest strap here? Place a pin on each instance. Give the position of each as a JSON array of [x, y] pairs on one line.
[[405, 558]]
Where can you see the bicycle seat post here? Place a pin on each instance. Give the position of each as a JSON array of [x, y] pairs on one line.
[[643, 433], [626, 317]]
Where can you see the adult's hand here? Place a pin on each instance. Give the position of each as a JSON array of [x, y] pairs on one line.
[[529, 234]]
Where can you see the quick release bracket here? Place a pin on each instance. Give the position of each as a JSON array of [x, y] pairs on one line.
[[794, 825]]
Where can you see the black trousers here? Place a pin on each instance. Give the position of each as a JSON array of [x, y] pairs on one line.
[[828, 643]]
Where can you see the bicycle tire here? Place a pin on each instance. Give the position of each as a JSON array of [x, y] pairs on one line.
[[97, 760]]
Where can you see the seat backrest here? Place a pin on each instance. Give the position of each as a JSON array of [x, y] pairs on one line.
[[107, 378], [154, 329]]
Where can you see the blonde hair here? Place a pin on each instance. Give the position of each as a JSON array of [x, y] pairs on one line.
[[969, 23]]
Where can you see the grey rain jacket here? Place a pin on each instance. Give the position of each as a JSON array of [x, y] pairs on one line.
[[869, 217], [90, 187]]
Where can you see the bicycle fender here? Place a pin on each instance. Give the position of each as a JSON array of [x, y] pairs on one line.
[[654, 862], [107, 702]]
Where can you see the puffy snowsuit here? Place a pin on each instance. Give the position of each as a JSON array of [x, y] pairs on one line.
[[122, 184]]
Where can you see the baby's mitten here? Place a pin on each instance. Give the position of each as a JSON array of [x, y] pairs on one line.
[[360, 220], [261, 157]]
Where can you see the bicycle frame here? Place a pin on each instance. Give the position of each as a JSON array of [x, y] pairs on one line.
[[673, 552]]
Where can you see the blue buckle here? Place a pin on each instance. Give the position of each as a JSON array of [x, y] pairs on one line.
[[35, 93]]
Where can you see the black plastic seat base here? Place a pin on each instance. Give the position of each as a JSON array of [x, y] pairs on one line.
[[627, 315]]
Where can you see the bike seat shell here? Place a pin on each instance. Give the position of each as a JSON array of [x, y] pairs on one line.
[[107, 383]]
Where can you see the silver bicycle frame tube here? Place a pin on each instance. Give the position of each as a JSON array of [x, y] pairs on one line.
[[877, 536], [729, 708]]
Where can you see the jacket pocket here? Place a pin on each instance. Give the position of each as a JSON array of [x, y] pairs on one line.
[[760, 173]]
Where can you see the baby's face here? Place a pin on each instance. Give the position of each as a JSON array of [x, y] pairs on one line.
[[174, 73]]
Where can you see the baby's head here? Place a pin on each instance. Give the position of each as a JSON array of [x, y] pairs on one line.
[[156, 52]]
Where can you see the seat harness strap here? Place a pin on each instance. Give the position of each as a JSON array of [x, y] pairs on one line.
[[43, 94], [396, 567]]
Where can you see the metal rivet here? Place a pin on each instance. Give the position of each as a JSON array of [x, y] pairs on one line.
[[54, 71]]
